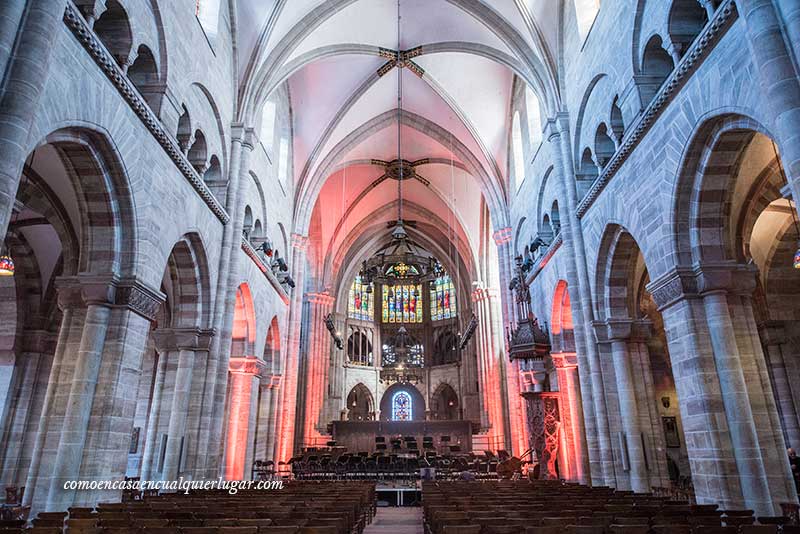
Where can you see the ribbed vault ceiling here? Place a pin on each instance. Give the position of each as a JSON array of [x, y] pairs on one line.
[[338, 59]]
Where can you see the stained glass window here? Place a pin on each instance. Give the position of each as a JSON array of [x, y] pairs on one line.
[[401, 406], [402, 303], [361, 302], [443, 299]]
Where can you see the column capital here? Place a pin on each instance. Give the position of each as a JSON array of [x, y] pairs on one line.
[[248, 365], [194, 339], [481, 293], [709, 277], [245, 135], [503, 236], [270, 381], [139, 298], [85, 288], [612, 330]]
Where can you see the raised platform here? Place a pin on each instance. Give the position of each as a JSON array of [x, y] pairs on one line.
[[360, 435]]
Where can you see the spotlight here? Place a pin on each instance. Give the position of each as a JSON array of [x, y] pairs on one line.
[[266, 248]]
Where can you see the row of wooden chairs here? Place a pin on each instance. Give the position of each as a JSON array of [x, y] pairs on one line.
[[550, 507], [300, 508]]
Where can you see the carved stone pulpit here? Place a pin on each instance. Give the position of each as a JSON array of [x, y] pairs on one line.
[[544, 426]]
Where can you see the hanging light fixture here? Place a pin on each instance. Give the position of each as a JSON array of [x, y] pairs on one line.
[[796, 262]]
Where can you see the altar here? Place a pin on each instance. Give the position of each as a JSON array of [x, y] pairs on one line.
[[358, 436]]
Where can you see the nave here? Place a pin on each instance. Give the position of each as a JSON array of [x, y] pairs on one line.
[[346, 243]]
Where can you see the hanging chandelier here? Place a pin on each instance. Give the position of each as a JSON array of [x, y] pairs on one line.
[[402, 260], [405, 365]]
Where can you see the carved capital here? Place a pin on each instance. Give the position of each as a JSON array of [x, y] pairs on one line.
[[672, 287], [85, 289], [246, 366], [612, 330], [139, 298]]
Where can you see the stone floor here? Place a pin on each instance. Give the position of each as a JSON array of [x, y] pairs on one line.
[[403, 520]]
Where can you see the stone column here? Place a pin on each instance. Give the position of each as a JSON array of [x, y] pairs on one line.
[[617, 333], [482, 358], [737, 403], [242, 372], [773, 336], [186, 342], [151, 431], [291, 363], [778, 75], [566, 365], [27, 73], [591, 376], [517, 428], [318, 359], [708, 440], [24, 405], [98, 293], [265, 435], [70, 303], [489, 356], [210, 431]]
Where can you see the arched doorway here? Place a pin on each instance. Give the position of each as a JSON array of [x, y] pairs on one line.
[[732, 215], [649, 423], [360, 404], [444, 404]]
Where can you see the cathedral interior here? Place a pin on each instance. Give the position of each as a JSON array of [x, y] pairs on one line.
[[552, 244]]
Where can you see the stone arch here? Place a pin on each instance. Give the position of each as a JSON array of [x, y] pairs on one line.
[[587, 172], [198, 153], [561, 314], [631, 333], [546, 229], [657, 65], [617, 264], [360, 404], [604, 146], [247, 226], [519, 238], [184, 132], [555, 217], [190, 283], [617, 120], [687, 18], [701, 227], [417, 402], [113, 28], [107, 222], [244, 324], [143, 73], [445, 404], [272, 347]]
